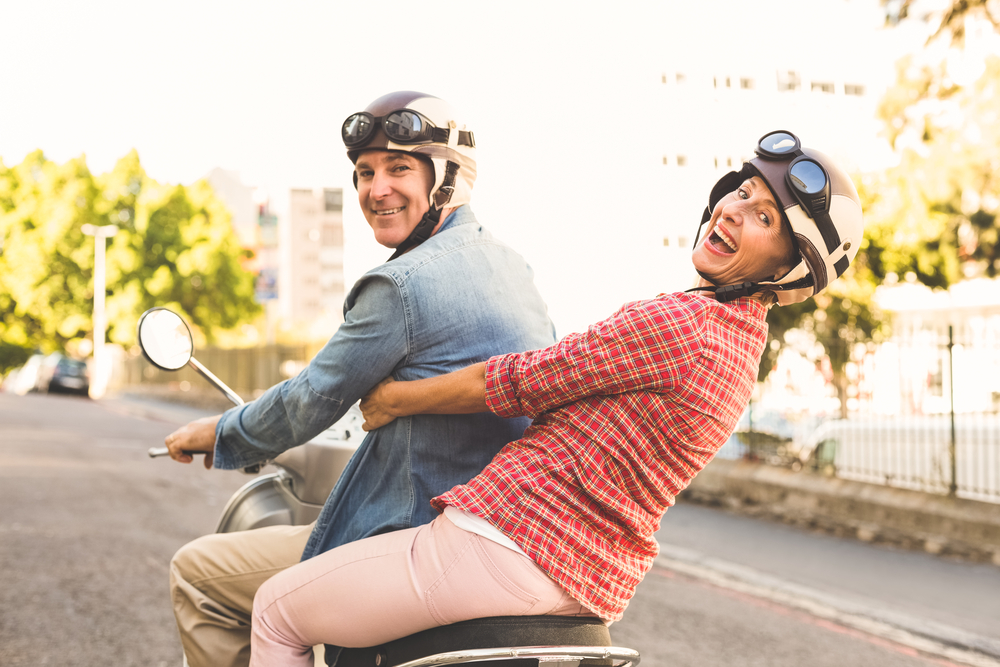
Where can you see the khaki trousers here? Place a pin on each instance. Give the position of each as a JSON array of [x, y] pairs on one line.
[[213, 581]]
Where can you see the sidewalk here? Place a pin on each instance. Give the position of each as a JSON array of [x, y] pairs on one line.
[[871, 513]]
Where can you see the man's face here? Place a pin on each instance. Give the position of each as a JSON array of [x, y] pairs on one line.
[[392, 191], [746, 239]]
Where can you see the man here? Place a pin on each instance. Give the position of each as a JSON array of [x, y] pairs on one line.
[[450, 295]]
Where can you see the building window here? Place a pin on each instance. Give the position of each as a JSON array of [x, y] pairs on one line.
[[853, 89], [680, 78], [716, 162], [822, 87], [665, 161], [729, 161], [681, 160], [728, 83], [746, 84], [333, 200], [788, 81]]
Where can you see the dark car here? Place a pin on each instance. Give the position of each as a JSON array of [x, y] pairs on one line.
[[65, 375]]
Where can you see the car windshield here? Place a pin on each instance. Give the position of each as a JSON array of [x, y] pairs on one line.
[[72, 367]]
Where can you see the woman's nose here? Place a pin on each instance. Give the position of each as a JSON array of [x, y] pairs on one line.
[[735, 211]]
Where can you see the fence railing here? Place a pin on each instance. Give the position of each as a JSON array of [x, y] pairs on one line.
[[247, 371], [924, 414]]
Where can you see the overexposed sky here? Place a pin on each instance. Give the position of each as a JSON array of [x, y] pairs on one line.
[[560, 96]]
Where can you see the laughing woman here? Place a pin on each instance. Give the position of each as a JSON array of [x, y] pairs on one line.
[[625, 415]]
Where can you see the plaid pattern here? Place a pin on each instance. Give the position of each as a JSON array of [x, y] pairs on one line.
[[625, 415]]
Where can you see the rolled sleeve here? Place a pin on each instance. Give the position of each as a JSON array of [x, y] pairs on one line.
[[366, 349], [501, 394]]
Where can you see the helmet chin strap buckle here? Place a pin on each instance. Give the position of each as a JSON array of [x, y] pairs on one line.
[[733, 292]]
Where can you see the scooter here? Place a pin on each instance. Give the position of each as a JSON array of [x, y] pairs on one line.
[[295, 494]]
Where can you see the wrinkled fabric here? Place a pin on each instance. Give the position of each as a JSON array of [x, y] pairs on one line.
[[626, 414], [455, 300]]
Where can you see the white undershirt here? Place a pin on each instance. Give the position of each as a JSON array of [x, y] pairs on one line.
[[480, 526]]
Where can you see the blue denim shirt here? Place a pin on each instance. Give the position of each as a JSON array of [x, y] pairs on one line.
[[455, 300]]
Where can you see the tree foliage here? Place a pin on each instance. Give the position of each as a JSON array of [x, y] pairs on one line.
[[933, 216], [174, 248], [948, 22]]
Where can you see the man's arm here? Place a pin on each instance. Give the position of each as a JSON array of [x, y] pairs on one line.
[[459, 393], [366, 348], [198, 437]]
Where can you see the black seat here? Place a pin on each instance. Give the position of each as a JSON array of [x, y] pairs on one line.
[[481, 633]]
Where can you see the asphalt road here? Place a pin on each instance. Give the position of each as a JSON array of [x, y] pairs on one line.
[[88, 524]]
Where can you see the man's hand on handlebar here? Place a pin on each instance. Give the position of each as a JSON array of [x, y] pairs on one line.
[[198, 437], [375, 407]]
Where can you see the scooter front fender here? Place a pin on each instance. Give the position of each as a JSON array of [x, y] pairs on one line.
[[266, 501]]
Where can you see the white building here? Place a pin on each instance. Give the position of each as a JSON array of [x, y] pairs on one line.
[[311, 248]]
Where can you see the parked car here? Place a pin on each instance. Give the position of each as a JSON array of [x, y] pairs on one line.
[[60, 374]]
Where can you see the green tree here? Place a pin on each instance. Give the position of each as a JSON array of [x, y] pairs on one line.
[[949, 21], [175, 248]]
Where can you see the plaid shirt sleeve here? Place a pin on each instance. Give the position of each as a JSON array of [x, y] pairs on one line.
[[645, 345]]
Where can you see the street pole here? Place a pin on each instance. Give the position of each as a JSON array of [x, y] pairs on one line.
[[101, 369]]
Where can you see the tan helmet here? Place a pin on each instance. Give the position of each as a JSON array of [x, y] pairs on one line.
[[821, 208], [424, 125]]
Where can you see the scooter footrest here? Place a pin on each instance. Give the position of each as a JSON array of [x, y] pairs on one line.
[[479, 633]]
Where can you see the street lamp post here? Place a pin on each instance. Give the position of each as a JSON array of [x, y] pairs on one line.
[[101, 369]]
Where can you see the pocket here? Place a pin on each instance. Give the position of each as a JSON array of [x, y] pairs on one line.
[[474, 586]]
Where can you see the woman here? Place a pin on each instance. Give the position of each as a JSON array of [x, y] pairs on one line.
[[562, 520]]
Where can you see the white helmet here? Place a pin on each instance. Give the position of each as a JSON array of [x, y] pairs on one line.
[[821, 208], [424, 125]]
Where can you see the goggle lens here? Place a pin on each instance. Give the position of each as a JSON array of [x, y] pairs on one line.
[[404, 126], [807, 177], [778, 143], [356, 128]]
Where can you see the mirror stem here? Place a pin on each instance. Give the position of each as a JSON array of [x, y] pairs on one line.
[[219, 384]]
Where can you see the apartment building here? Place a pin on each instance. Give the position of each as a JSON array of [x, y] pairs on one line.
[[311, 250]]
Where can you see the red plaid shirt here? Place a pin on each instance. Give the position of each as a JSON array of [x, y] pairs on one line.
[[625, 415]]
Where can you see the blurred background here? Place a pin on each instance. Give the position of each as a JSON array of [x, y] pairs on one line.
[[187, 155]]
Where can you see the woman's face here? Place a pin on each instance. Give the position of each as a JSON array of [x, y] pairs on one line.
[[745, 238]]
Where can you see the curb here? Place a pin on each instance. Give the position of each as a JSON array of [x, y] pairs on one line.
[[926, 636], [936, 524]]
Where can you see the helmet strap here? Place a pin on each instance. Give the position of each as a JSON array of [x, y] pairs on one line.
[[432, 217], [420, 233]]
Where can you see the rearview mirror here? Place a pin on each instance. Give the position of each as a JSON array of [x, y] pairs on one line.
[[165, 339]]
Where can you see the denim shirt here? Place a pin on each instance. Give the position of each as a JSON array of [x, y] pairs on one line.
[[455, 300]]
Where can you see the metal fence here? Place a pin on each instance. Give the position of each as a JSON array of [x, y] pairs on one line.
[[923, 414], [247, 371]]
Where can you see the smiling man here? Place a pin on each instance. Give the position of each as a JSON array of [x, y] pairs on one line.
[[450, 295]]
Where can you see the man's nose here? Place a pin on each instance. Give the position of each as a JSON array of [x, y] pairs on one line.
[[381, 186]]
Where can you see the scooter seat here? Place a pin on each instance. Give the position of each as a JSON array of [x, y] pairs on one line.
[[481, 633]]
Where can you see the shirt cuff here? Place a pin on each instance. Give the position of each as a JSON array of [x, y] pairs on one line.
[[501, 396]]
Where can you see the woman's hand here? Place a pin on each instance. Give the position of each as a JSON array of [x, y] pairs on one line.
[[375, 406]]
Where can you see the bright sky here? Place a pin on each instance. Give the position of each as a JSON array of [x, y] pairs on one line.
[[559, 95]]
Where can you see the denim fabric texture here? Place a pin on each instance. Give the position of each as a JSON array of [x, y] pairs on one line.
[[455, 300]]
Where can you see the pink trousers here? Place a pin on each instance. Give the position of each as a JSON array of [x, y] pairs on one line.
[[393, 585]]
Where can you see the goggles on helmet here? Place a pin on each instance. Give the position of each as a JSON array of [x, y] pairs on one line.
[[402, 126], [806, 178]]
